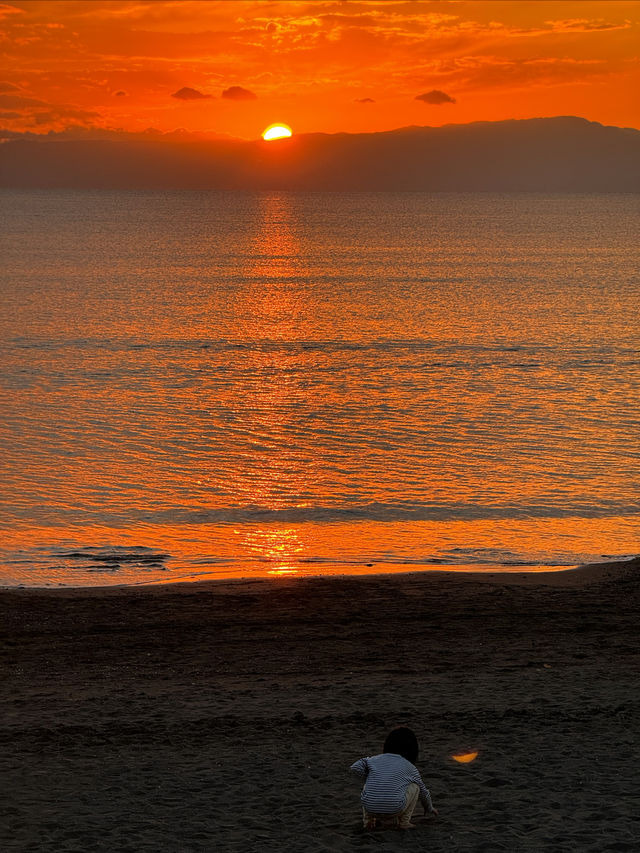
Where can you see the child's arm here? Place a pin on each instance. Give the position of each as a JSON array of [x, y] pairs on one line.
[[425, 796], [360, 768], [425, 799]]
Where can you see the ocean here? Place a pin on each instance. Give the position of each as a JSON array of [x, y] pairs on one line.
[[222, 385]]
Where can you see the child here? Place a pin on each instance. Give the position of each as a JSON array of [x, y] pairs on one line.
[[392, 784]]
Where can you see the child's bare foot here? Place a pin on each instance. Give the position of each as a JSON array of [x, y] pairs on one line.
[[403, 826]]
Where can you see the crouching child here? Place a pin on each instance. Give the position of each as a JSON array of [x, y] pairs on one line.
[[392, 783]]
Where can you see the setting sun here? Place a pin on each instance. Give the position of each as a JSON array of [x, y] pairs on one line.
[[276, 131]]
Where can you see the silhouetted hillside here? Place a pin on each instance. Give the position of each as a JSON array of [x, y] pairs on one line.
[[563, 154]]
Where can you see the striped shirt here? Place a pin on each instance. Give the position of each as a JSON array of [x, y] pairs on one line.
[[387, 778]]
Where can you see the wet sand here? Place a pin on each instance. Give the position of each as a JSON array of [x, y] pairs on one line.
[[224, 716]]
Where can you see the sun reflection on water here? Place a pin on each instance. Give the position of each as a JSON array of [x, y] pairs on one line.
[[275, 309], [280, 547]]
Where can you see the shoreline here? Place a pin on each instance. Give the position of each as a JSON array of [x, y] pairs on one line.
[[225, 715], [569, 576]]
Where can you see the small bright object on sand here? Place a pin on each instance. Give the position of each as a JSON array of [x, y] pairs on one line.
[[276, 131], [465, 757]]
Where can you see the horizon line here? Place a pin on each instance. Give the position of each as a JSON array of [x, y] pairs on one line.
[[93, 134]]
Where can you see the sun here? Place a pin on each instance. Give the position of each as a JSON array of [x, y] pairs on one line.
[[276, 131]]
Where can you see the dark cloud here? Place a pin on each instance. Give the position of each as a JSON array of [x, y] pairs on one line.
[[8, 87], [364, 101], [83, 132], [6, 134], [121, 94], [36, 112], [18, 102], [238, 93], [57, 114], [435, 96], [189, 94]]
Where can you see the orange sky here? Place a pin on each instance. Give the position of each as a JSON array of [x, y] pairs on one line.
[[318, 66]]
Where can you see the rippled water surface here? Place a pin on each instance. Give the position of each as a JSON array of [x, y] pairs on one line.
[[220, 384]]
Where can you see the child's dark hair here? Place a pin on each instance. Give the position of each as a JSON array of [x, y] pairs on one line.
[[402, 741]]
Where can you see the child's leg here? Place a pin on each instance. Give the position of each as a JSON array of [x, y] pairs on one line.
[[379, 821], [368, 820], [404, 818]]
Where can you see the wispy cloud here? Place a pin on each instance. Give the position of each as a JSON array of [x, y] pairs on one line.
[[586, 25], [497, 72], [6, 10]]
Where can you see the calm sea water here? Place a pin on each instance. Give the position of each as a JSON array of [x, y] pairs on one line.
[[219, 384]]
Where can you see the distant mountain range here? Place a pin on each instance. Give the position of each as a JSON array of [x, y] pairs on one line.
[[562, 154]]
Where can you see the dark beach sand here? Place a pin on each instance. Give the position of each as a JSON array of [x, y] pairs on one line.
[[224, 717]]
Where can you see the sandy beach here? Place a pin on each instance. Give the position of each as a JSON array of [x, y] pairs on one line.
[[224, 716]]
